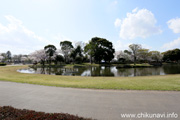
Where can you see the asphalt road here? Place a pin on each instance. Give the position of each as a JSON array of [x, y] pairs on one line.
[[96, 104]]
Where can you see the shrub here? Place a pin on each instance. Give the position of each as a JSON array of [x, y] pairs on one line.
[[10, 113], [2, 64], [78, 60], [127, 66]]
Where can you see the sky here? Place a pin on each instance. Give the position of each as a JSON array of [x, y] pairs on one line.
[[29, 25]]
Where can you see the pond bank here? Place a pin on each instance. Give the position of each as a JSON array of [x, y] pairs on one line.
[[166, 82], [96, 65], [134, 66]]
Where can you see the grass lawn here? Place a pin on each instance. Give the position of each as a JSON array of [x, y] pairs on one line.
[[166, 82]]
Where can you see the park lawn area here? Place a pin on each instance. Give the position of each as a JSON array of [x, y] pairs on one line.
[[166, 82]]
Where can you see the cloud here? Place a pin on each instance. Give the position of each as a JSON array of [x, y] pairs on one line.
[[172, 45], [146, 46], [59, 37], [138, 23], [174, 25], [18, 39], [114, 2], [117, 23], [120, 45], [135, 10]]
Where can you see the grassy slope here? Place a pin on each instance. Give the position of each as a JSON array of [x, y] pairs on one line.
[[167, 82]]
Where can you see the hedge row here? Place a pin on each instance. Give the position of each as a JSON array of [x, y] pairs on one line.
[[2, 64], [10, 113]]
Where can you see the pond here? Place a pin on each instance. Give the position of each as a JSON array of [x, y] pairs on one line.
[[107, 71]]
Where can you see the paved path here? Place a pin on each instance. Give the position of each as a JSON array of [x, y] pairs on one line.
[[97, 104]]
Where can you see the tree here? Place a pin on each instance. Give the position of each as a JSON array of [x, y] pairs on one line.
[[59, 58], [4, 57], [17, 58], [77, 52], [50, 50], [144, 54], [133, 50], [107, 50], [73, 55], [123, 56], [90, 49], [8, 55], [127, 52], [100, 49], [156, 55], [172, 55], [80, 43], [66, 47], [39, 56], [1, 58]]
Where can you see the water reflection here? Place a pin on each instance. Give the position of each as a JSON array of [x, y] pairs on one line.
[[108, 71]]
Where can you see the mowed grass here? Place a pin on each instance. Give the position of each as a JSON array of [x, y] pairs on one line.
[[166, 82]]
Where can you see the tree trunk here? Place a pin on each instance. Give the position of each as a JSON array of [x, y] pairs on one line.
[[49, 61], [134, 60], [91, 59]]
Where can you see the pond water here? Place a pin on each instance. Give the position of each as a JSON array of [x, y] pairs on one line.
[[107, 71], [30, 71]]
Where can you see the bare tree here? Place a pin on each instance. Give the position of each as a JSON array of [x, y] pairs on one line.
[[133, 50]]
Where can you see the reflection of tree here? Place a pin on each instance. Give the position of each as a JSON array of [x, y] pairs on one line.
[[139, 71], [107, 72], [171, 69], [42, 70], [134, 71], [35, 68], [81, 70], [98, 71], [125, 72], [71, 71], [49, 70], [59, 71], [148, 71], [95, 71], [54, 70]]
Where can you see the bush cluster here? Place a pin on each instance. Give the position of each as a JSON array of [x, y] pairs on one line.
[[10, 113], [2, 64]]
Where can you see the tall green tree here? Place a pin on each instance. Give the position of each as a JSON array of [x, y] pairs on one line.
[[90, 49], [100, 49], [66, 47], [172, 55], [8, 56], [77, 52], [107, 50], [73, 55], [59, 59], [50, 50]]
